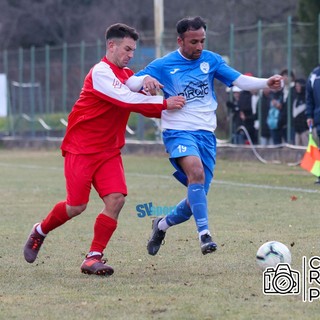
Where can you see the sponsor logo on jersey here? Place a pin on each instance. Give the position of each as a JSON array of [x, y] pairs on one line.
[[116, 84], [174, 70], [195, 90]]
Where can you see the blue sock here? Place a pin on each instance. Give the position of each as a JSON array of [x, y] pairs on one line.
[[198, 203], [179, 214]]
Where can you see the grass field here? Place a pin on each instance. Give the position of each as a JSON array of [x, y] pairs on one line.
[[249, 204]]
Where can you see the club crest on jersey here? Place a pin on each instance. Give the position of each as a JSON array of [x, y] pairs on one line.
[[204, 67], [116, 84]]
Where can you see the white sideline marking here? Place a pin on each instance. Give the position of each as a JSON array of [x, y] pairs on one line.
[[29, 166], [233, 184], [264, 186], [159, 176]]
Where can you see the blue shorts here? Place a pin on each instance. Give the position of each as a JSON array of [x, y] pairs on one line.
[[201, 143]]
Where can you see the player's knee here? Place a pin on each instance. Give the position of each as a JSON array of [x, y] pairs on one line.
[[113, 204], [197, 175], [120, 200], [114, 200], [73, 211]]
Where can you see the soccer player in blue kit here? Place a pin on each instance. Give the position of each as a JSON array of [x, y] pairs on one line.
[[188, 134]]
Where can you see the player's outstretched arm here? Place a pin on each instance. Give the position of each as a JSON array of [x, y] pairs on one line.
[[147, 83], [252, 83], [151, 85]]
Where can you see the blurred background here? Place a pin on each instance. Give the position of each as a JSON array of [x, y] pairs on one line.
[[48, 46]]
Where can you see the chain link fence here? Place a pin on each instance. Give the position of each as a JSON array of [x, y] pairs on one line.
[[43, 83]]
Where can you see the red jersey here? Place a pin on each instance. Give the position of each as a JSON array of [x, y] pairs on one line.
[[98, 119]]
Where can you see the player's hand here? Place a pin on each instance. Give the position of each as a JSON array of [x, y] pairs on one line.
[[275, 82], [310, 122], [151, 85], [176, 102], [242, 116]]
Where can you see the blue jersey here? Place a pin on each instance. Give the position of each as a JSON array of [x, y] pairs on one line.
[[193, 79], [313, 97]]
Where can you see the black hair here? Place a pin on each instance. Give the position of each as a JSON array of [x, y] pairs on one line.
[[284, 72], [302, 83], [120, 31], [189, 23]]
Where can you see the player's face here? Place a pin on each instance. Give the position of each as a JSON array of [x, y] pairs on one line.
[[120, 51], [192, 43]]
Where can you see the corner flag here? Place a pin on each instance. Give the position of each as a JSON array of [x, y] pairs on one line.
[[311, 159]]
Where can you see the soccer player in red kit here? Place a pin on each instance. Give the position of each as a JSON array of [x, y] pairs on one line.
[[92, 147]]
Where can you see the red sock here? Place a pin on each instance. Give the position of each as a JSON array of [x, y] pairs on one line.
[[55, 218], [103, 230]]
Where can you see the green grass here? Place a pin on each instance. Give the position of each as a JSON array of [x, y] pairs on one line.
[[249, 204]]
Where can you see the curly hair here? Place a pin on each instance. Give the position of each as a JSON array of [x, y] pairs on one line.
[[190, 23]]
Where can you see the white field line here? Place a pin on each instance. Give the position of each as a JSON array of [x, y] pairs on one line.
[[29, 166], [159, 176], [232, 184]]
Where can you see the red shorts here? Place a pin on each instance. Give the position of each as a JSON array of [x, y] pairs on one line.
[[104, 171]]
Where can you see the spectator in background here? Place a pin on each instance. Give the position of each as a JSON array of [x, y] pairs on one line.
[[299, 119], [262, 114], [247, 108], [289, 87], [233, 105], [255, 96], [274, 116], [313, 100]]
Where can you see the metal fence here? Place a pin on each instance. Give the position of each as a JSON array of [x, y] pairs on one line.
[[43, 83]]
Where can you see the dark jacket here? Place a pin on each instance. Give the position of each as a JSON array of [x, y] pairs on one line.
[[313, 96], [298, 108], [245, 106], [265, 105]]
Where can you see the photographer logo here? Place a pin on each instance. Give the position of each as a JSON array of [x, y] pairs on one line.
[[283, 280]]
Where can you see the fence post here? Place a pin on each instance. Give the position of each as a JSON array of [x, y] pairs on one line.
[[82, 55], [158, 25], [289, 67], [259, 49], [20, 79], [47, 77], [10, 118], [64, 77], [259, 45], [99, 54], [231, 53], [32, 81]]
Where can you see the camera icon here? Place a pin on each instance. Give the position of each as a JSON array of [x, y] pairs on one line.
[[281, 280]]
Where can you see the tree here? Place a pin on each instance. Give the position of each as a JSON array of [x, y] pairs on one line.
[[308, 12], [39, 22]]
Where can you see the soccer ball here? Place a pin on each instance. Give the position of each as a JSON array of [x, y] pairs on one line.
[[271, 253]]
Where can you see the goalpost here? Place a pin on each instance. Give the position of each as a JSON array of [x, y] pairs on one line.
[[27, 104], [26, 98]]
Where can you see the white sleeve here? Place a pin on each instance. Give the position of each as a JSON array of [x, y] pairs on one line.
[[135, 83], [105, 82], [250, 83]]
